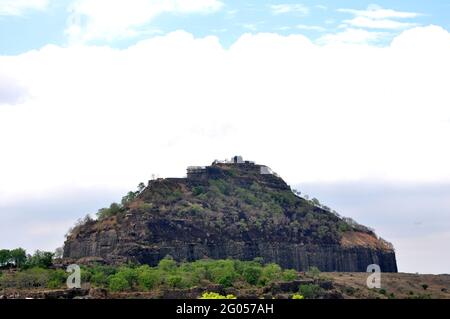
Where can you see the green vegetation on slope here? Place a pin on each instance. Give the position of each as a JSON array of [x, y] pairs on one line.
[[168, 274]]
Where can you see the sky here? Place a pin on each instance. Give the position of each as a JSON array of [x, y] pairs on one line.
[[347, 100]]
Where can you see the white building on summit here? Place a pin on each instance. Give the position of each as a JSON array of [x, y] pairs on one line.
[[197, 171]]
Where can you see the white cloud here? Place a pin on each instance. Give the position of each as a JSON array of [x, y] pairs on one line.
[[351, 36], [376, 17], [363, 22], [377, 12], [102, 117], [19, 7], [310, 27], [290, 8], [113, 19], [11, 91]]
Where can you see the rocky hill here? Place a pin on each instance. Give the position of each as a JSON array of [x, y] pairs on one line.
[[234, 209]]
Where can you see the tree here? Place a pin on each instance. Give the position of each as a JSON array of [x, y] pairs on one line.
[[42, 259], [141, 187], [5, 257], [19, 257], [315, 201], [128, 198], [113, 209]]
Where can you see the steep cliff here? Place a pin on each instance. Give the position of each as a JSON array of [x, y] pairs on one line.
[[239, 210]]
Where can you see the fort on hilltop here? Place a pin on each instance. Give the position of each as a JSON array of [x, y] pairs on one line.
[[230, 209]]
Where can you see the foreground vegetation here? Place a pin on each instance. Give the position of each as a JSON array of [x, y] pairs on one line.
[[168, 274], [216, 279]]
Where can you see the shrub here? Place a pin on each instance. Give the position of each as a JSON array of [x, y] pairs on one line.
[[98, 275], [128, 198], [297, 296], [118, 283], [343, 227], [425, 286], [271, 272], [167, 264], [223, 272], [252, 274], [198, 190], [215, 295], [310, 291], [289, 275], [113, 209], [175, 281], [29, 278], [145, 206], [148, 277], [57, 278], [129, 274], [99, 278], [314, 272]]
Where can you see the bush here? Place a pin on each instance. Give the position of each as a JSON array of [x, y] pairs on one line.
[[167, 264], [118, 283], [57, 278], [215, 295], [252, 274], [310, 291], [271, 272], [129, 274], [29, 278], [223, 272], [99, 278], [175, 281], [314, 272], [113, 209], [297, 296], [148, 277], [198, 190], [289, 275]]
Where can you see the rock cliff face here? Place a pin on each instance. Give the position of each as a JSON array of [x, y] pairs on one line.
[[234, 210]]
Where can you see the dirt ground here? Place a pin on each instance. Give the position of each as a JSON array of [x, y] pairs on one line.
[[393, 285], [343, 285]]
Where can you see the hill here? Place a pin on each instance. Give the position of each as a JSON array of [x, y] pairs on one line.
[[234, 209]]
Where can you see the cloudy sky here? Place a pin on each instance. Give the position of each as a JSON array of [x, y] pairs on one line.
[[347, 100]]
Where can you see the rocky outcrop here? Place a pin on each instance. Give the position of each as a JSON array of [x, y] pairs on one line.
[[229, 210]]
